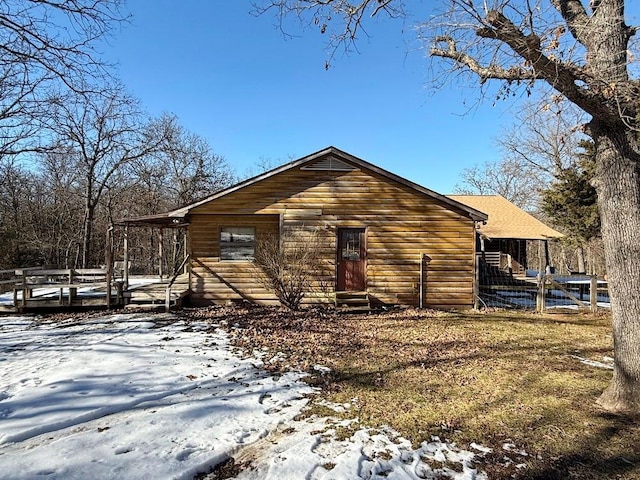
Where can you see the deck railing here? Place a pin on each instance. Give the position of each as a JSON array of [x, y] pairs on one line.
[[66, 281], [503, 262], [178, 271]]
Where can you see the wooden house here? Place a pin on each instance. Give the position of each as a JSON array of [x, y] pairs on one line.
[[504, 239], [375, 233]]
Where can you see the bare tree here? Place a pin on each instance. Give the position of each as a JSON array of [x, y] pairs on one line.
[[56, 211], [40, 212], [183, 168], [191, 168], [541, 143], [42, 44], [544, 135], [191, 171], [583, 53], [45, 46], [101, 134], [14, 192], [519, 183], [263, 164]]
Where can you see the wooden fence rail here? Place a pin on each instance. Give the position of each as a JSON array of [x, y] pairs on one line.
[[8, 277], [65, 281], [565, 285]]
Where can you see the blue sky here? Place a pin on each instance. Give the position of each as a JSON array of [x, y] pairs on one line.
[[234, 79]]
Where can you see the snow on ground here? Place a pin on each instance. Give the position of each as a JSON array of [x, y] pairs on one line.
[[606, 363], [148, 396], [526, 299], [118, 398], [315, 451]]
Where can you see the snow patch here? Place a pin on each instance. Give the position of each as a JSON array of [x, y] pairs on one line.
[[607, 362], [316, 451], [118, 397]]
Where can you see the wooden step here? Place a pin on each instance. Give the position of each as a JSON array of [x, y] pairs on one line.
[[352, 301], [155, 294]]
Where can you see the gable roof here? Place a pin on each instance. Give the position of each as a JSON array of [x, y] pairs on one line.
[[330, 158], [506, 220]]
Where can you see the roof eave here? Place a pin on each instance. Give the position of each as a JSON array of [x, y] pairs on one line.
[[472, 213], [163, 220], [505, 237]]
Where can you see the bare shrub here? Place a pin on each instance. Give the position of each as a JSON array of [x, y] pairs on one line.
[[289, 264]]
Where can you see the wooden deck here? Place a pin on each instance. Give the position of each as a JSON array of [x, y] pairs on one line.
[[155, 294], [29, 290]]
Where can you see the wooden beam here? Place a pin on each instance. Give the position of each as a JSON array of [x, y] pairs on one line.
[[187, 249], [575, 299], [540, 299], [160, 251], [109, 263], [125, 241]]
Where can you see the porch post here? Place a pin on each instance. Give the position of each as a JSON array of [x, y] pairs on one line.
[[160, 250], [424, 268], [109, 262], [476, 284], [185, 246], [478, 264], [125, 242], [187, 251], [421, 303], [540, 299], [541, 267]]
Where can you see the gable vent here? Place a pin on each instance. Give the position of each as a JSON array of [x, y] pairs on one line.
[[330, 164]]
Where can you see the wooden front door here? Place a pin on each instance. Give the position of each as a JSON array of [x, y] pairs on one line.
[[351, 260]]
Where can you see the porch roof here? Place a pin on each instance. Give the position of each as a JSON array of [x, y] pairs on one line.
[[506, 220], [162, 220]]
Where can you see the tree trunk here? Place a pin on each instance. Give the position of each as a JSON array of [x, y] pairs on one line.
[[87, 233], [618, 187], [617, 183], [580, 255], [151, 269], [89, 215], [589, 260]]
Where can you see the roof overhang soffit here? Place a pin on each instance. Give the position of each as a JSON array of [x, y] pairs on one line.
[[153, 221]]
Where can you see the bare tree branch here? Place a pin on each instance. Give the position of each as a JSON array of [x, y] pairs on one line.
[[101, 135], [47, 45], [576, 17], [484, 72], [341, 20]]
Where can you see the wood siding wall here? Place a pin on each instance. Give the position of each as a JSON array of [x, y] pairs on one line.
[[216, 281], [401, 224]]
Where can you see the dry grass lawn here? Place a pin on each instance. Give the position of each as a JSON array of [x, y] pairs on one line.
[[492, 378]]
